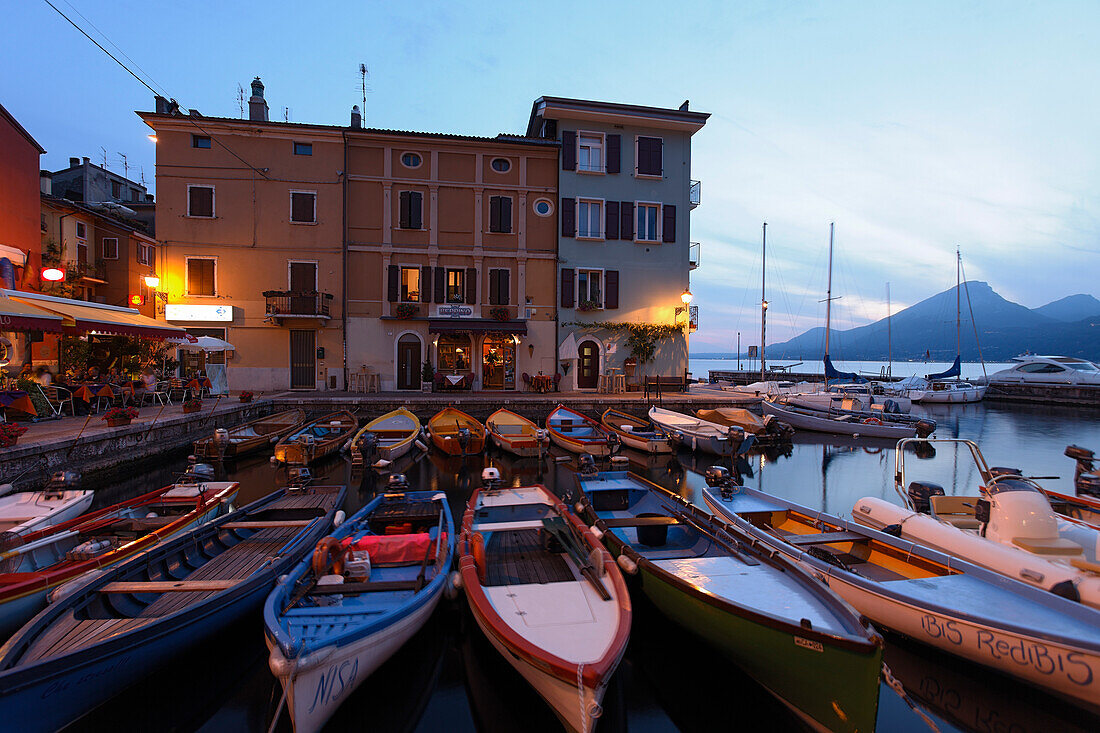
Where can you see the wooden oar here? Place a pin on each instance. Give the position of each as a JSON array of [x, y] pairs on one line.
[[77, 440], [566, 534], [712, 534]]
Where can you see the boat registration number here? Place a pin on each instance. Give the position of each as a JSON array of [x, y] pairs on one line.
[[816, 646]]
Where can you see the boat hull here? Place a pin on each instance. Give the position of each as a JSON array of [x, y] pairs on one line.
[[718, 446], [645, 445], [592, 448], [71, 506], [947, 396], [825, 424]]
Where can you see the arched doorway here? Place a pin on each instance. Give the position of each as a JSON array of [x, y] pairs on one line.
[[588, 364], [408, 362]]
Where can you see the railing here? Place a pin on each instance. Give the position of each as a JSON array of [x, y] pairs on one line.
[[590, 168], [297, 303], [695, 193], [89, 270], [693, 255]]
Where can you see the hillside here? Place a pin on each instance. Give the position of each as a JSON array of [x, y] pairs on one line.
[[1071, 308]]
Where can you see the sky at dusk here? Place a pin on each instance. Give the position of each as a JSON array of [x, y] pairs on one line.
[[916, 127]]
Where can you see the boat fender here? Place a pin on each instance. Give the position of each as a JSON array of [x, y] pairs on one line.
[[596, 558], [477, 549], [66, 589], [1066, 589], [328, 557], [420, 445], [579, 507], [597, 534], [273, 461], [629, 566], [871, 421], [6, 489], [453, 585], [338, 518]]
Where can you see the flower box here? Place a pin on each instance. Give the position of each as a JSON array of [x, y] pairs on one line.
[[117, 422], [9, 434], [191, 408], [118, 416], [246, 397]]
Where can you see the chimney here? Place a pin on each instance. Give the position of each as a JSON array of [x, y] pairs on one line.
[[161, 105], [74, 162], [356, 117], [257, 106], [87, 160]]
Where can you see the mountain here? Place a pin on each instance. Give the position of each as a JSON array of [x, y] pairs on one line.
[[1005, 329], [1071, 308]]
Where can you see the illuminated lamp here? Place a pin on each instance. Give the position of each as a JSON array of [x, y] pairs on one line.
[[152, 281], [53, 274], [136, 299]]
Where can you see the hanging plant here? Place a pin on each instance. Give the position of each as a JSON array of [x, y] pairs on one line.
[[587, 306], [641, 338], [499, 313], [405, 310]]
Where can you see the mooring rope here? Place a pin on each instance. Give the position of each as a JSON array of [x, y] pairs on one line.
[[580, 697], [895, 684]]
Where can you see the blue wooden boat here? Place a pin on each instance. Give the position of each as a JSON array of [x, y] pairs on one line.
[[116, 628], [334, 620]]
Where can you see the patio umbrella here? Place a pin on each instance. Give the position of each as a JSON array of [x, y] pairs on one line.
[[208, 343], [568, 348]]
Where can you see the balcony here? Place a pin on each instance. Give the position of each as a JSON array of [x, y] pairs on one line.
[[296, 305], [695, 193], [693, 255], [94, 273]]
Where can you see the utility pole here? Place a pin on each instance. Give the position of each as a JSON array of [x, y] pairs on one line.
[[738, 351], [763, 298]]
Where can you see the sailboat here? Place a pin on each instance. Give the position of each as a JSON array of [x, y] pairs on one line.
[[936, 387]]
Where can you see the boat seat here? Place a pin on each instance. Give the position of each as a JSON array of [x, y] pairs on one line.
[[378, 586], [1048, 546], [957, 511], [824, 538], [640, 521], [508, 429]]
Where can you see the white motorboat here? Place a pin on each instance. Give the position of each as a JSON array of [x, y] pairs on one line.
[[30, 511], [943, 391], [1036, 369], [848, 423], [697, 434], [1009, 528]]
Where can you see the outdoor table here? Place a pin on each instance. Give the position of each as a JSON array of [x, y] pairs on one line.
[[16, 399], [542, 382], [86, 392], [196, 385], [454, 379]]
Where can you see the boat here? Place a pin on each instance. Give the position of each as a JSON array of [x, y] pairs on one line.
[[1081, 508], [694, 433], [456, 433], [845, 423], [35, 565], [516, 434], [927, 595], [546, 595], [578, 433], [772, 619], [116, 628], [764, 430], [636, 432], [367, 588], [866, 397], [1048, 369], [1086, 479], [1008, 528], [249, 437], [320, 438], [389, 436], [23, 512]]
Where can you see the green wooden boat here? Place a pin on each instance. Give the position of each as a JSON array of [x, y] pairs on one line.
[[788, 631]]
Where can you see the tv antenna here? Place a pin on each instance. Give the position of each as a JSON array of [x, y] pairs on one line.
[[240, 99], [363, 88], [286, 114], [104, 151], [125, 165]]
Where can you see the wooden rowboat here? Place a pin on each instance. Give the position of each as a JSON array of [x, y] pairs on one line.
[[697, 434], [456, 433], [765, 431], [578, 433], [523, 550], [937, 599], [322, 437], [249, 437], [389, 436], [516, 434], [838, 424], [23, 512], [118, 627], [772, 619], [1081, 508], [322, 627], [636, 432]]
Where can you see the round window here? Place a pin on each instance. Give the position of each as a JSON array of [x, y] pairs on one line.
[[544, 207], [501, 165], [410, 160]]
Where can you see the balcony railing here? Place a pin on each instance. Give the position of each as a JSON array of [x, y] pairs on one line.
[[695, 193], [693, 255], [297, 304], [78, 269]]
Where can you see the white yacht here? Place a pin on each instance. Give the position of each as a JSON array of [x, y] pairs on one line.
[[1039, 369]]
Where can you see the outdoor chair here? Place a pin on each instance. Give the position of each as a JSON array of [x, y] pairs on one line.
[[527, 381], [158, 394], [557, 381], [57, 397], [177, 389]]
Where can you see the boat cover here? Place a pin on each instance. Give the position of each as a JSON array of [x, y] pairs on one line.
[[395, 548], [954, 370], [832, 375]]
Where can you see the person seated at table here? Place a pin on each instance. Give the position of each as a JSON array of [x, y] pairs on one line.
[[26, 372], [113, 376], [43, 376], [92, 374]]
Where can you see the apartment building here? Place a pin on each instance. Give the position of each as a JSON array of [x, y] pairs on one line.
[[19, 215], [85, 181]]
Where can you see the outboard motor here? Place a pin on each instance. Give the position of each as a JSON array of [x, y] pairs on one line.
[[586, 466], [397, 482], [490, 478], [298, 477], [60, 482], [720, 477], [1085, 479], [368, 445], [921, 493], [221, 440], [925, 428], [464, 439]]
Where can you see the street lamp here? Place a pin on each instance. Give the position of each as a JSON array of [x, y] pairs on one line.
[[152, 281], [686, 298]]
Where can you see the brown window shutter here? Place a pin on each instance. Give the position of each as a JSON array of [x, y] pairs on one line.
[[494, 213], [668, 213], [611, 288], [569, 217], [425, 284], [626, 219], [471, 286], [494, 284], [568, 150], [506, 214], [440, 285], [614, 153], [403, 215], [611, 220], [416, 210], [567, 287], [394, 276], [504, 297]]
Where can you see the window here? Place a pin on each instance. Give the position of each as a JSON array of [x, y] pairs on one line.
[[454, 354], [81, 230], [303, 207], [589, 219], [43, 217], [411, 210], [648, 156], [110, 248], [589, 289], [411, 160], [135, 195], [500, 292], [500, 214], [544, 207], [501, 165], [648, 219], [410, 284], [200, 141], [303, 148], [1040, 368], [146, 254], [201, 275], [116, 190], [456, 286], [82, 253], [200, 201], [590, 152]]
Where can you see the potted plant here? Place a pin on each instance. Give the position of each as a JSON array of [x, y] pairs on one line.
[[192, 405], [586, 306], [499, 313], [405, 310], [427, 376], [246, 396], [118, 416], [9, 434]]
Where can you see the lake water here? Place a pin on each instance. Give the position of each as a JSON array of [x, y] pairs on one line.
[[700, 367], [448, 678]]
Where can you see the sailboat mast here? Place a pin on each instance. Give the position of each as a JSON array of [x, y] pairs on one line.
[[763, 299], [829, 293], [958, 308], [889, 338]]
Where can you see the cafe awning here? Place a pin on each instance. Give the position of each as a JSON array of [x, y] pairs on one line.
[[81, 317], [16, 315], [476, 325]]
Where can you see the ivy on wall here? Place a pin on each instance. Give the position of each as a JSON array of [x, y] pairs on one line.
[[641, 338]]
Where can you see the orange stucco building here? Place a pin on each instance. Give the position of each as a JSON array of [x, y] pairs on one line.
[[19, 210]]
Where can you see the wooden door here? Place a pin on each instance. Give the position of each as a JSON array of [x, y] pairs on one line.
[[408, 362], [303, 279], [303, 359], [588, 365]]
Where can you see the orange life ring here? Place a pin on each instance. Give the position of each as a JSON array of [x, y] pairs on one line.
[[328, 557], [872, 421], [477, 549]]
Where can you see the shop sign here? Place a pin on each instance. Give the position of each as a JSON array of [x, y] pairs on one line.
[[184, 312], [693, 318], [454, 311]]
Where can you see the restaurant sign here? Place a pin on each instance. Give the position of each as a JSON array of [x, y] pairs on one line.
[[454, 311], [205, 313]]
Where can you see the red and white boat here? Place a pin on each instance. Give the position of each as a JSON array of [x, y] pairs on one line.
[[547, 595]]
